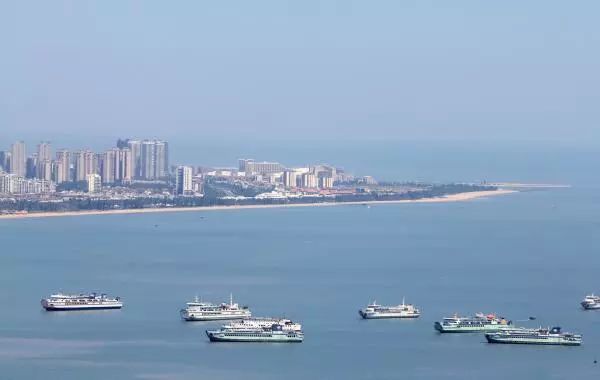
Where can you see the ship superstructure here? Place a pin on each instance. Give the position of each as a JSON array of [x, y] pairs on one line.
[[478, 323], [254, 323], [204, 311]]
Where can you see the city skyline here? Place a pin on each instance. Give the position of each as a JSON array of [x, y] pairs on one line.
[[133, 161]]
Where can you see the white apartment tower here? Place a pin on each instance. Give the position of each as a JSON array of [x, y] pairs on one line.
[[289, 178], [154, 159], [18, 159], [85, 164], [63, 166], [309, 180], [94, 182]]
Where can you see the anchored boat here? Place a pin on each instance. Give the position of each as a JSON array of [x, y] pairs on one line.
[[375, 311], [478, 323], [91, 301], [202, 311], [541, 336], [273, 334]]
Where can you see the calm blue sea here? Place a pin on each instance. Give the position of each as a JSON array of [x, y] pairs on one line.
[[527, 254]]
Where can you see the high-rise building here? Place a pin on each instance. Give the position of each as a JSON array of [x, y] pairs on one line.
[[44, 151], [154, 159], [94, 183], [162, 159], [31, 166], [85, 163], [43, 154], [63, 166], [183, 180], [18, 159], [44, 170], [148, 160], [242, 163], [325, 182], [289, 178], [123, 165], [4, 161], [135, 146], [309, 180], [108, 166]]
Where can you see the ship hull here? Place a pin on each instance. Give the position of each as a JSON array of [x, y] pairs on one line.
[[241, 339], [205, 318], [387, 316], [81, 307], [544, 342], [475, 329], [587, 306]]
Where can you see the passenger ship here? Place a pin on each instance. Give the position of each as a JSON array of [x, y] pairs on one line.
[[273, 334], [260, 323], [532, 336], [591, 302], [479, 323], [201, 311], [90, 301], [375, 311]]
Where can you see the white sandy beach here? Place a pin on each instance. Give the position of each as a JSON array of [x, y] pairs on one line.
[[460, 197]]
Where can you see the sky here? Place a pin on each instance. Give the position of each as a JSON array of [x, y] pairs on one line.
[[300, 70]]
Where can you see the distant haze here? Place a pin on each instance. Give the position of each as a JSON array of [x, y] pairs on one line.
[[246, 70]]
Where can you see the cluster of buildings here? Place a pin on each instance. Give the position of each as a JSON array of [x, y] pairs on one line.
[[147, 161], [131, 160], [311, 177]]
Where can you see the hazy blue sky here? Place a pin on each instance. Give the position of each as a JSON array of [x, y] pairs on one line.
[[349, 69]]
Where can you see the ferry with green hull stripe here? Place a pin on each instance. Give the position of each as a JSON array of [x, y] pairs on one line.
[[552, 337], [478, 323], [273, 334]]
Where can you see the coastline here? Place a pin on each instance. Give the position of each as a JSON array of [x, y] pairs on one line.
[[459, 197]]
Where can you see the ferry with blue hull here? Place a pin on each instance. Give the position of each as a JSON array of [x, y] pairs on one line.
[[273, 334], [552, 337], [91, 301], [478, 323]]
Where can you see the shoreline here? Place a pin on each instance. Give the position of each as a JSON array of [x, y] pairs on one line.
[[459, 197]]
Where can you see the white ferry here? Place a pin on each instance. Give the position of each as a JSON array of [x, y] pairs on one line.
[[535, 336], [90, 301], [375, 311], [261, 323], [479, 323], [203, 311], [591, 302], [274, 334]]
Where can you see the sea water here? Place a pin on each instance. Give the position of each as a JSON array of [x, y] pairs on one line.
[[533, 253]]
